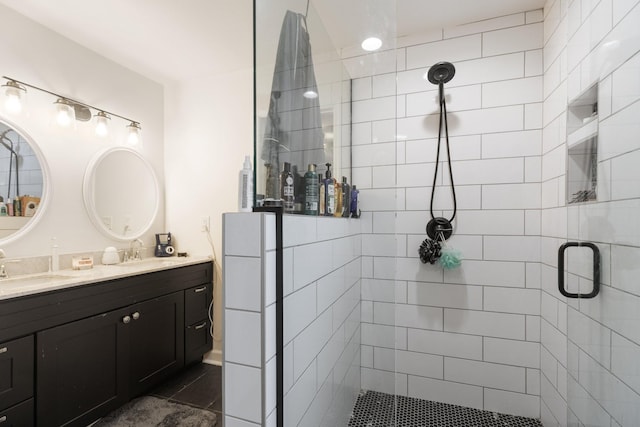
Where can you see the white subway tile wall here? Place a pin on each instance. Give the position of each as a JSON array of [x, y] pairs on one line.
[[322, 317], [468, 336], [588, 375]]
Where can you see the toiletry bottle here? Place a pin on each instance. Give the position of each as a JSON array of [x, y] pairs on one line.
[[311, 190], [55, 258], [346, 198], [3, 207], [287, 188], [298, 190], [245, 187], [354, 202], [9, 207], [330, 192], [270, 183], [321, 203], [338, 196], [17, 209]]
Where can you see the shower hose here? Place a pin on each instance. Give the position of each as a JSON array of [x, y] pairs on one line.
[[443, 121]]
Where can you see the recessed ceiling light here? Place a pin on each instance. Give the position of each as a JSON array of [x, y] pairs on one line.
[[371, 44], [310, 94]]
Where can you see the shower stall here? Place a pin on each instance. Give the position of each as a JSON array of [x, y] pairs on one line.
[[538, 323]]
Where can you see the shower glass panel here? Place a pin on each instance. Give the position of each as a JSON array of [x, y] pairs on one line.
[[302, 96], [599, 363]]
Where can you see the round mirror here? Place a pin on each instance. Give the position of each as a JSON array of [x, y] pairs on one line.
[[121, 193], [23, 182]]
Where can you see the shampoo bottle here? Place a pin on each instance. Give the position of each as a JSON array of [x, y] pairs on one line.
[[287, 188], [329, 192], [346, 198], [321, 203], [339, 203], [245, 187], [311, 190], [9, 207]]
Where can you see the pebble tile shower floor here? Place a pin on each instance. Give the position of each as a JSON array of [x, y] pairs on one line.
[[375, 409]]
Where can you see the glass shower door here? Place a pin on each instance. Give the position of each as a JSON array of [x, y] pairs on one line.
[[603, 333]]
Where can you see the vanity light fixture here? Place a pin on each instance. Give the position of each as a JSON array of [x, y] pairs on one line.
[[65, 113], [14, 95], [102, 123], [68, 110], [133, 137], [372, 43]]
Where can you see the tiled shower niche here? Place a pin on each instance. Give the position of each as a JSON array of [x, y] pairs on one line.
[[582, 143]]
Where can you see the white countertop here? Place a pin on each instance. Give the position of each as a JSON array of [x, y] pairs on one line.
[[30, 284]]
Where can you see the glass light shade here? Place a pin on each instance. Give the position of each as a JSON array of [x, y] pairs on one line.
[[372, 43], [14, 95], [133, 137], [102, 124], [65, 113]]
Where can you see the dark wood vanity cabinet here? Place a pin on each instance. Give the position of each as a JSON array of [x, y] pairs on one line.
[[92, 366], [197, 339], [98, 346], [16, 382]]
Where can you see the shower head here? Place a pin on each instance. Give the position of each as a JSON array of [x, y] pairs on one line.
[[442, 72]]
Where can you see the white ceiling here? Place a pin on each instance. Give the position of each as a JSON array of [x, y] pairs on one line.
[[178, 39]]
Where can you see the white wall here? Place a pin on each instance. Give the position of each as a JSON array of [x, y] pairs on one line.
[[590, 349], [209, 130], [468, 336], [43, 58]]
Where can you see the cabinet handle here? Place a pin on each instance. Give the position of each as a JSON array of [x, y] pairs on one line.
[[135, 315], [201, 325], [202, 289], [126, 319], [3, 419], [3, 350]]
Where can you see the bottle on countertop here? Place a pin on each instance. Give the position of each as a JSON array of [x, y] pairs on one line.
[[330, 192], [346, 198], [311, 190], [245, 187], [17, 207], [355, 212], [339, 203], [287, 188], [298, 190], [9, 207], [322, 205]]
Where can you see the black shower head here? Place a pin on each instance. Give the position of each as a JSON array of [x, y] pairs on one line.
[[442, 72]]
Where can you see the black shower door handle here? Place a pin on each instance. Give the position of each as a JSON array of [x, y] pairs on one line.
[[596, 269]]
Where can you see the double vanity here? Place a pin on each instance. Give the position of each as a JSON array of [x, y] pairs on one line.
[[74, 345]]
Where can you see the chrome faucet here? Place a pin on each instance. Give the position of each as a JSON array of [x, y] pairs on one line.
[[136, 256]]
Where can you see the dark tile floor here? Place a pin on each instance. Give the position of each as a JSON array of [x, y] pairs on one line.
[[199, 385]]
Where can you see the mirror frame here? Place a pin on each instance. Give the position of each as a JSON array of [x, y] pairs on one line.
[[90, 205], [46, 184]]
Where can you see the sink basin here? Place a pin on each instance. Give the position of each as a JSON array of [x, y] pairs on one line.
[[32, 280]]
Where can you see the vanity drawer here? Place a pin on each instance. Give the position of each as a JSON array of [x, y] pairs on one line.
[[21, 415], [16, 371], [196, 303], [197, 341]]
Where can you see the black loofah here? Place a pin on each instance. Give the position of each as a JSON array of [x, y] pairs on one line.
[[429, 251]]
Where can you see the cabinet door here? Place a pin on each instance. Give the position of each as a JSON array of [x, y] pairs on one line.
[[16, 371], [20, 415], [156, 340], [82, 369]]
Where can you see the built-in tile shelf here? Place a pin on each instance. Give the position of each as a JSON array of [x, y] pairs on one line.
[[582, 146]]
